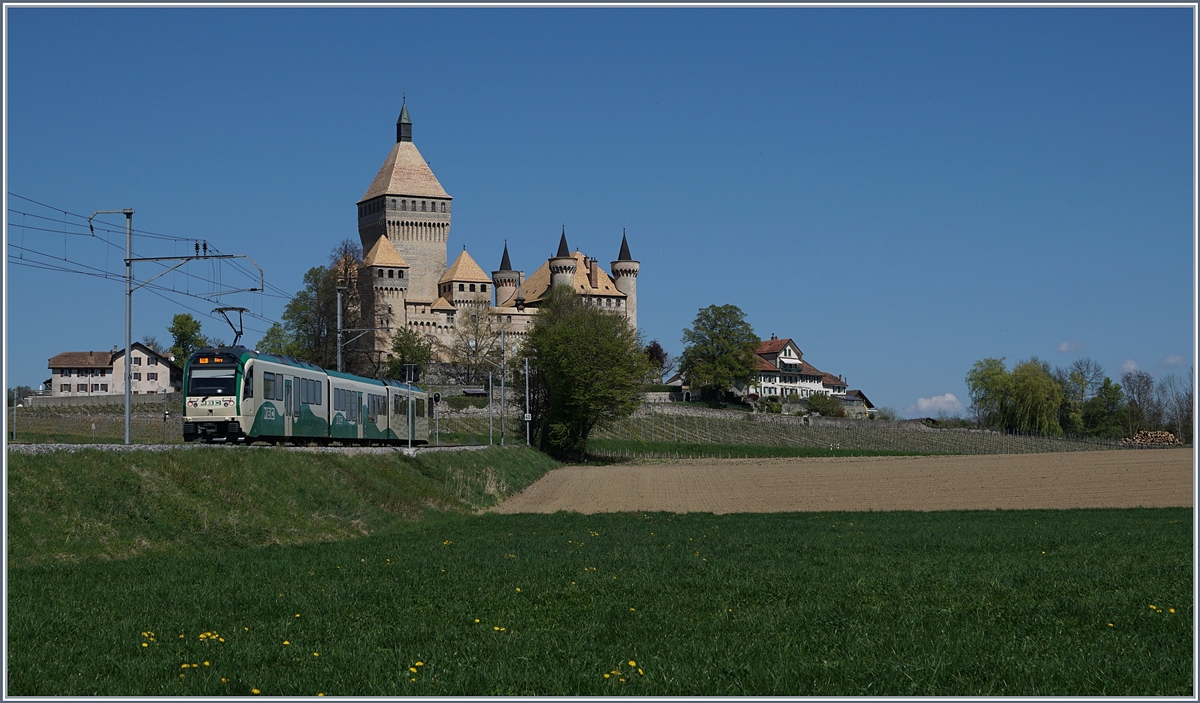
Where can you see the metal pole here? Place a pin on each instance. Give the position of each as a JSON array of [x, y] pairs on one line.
[[408, 382], [165, 416], [489, 408], [339, 328], [527, 400], [128, 316], [14, 414], [437, 427], [503, 361]]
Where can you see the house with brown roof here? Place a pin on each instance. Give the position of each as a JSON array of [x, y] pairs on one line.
[[783, 372], [92, 373], [404, 225]]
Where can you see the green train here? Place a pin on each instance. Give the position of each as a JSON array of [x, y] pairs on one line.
[[238, 395]]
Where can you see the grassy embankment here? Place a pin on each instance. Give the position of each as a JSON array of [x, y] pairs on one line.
[[112, 505]]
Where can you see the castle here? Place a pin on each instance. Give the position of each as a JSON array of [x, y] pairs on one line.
[[404, 225]]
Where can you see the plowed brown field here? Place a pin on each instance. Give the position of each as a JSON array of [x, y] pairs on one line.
[[1101, 479]]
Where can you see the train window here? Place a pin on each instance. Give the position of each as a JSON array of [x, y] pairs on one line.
[[248, 382], [420, 407], [398, 404], [320, 385], [268, 386]]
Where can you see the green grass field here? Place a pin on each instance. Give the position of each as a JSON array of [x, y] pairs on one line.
[[213, 571], [1085, 602]]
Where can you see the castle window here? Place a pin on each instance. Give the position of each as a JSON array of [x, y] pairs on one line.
[[381, 273], [483, 287], [422, 206], [443, 207], [399, 274], [391, 273], [472, 287], [460, 288], [403, 204]]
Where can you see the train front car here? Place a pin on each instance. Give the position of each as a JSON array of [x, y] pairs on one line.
[[212, 407]]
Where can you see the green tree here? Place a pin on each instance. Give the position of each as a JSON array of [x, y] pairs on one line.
[[408, 347], [827, 405], [277, 341], [719, 352], [1104, 413], [185, 336], [1036, 396], [990, 387], [587, 369]]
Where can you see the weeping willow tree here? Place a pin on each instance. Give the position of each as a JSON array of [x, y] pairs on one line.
[[1025, 399]]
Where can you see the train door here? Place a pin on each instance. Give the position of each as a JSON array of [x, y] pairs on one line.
[[288, 384]]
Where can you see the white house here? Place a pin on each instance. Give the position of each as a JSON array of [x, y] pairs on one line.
[[91, 373]]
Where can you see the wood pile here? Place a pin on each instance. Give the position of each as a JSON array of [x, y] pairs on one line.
[[1148, 437]]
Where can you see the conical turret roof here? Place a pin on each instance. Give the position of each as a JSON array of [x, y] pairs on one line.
[[563, 249], [404, 119], [505, 264], [624, 255]]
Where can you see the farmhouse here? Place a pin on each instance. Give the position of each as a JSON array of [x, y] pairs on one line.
[[93, 373]]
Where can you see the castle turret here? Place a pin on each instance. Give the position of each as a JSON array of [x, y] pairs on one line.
[[563, 265], [464, 283], [505, 281], [404, 125], [624, 273]]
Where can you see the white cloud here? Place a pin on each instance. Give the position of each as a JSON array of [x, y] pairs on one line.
[[1069, 347], [1130, 366], [1173, 360], [925, 407]]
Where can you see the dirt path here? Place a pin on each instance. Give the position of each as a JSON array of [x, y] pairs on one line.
[[1102, 479]]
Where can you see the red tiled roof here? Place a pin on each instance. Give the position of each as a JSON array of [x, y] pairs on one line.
[[771, 346], [828, 379], [76, 360], [764, 365]]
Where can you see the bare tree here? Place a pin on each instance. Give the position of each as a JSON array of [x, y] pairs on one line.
[[1090, 375], [1175, 399], [1142, 406], [474, 342]]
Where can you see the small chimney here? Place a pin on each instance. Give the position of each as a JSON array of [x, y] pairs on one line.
[[593, 272]]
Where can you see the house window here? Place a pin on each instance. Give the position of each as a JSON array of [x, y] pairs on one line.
[[151, 377], [150, 361], [81, 388], [96, 387], [137, 361], [64, 388], [460, 287], [104, 372], [137, 376]]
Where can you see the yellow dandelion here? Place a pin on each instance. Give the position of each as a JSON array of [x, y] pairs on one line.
[[1152, 607], [420, 663], [1171, 609], [632, 663], [621, 680], [412, 680], [518, 590], [297, 614], [145, 645], [412, 669], [220, 639], [181, 676], [145, 635], [255, 691], [606, 676], [632, 609], [476, 619], [320, 694], [224, 680], [205, 663], [1110, 624], [183, 666], [246, 629], [181, 637], [496, 628], [316, 654], [286, 642], [502, 629], [641, 673]]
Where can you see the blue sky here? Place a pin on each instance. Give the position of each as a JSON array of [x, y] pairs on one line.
[[902, 191]]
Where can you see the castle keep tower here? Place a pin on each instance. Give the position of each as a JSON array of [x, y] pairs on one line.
[[407, 204], [625, 271], [563, 265]]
